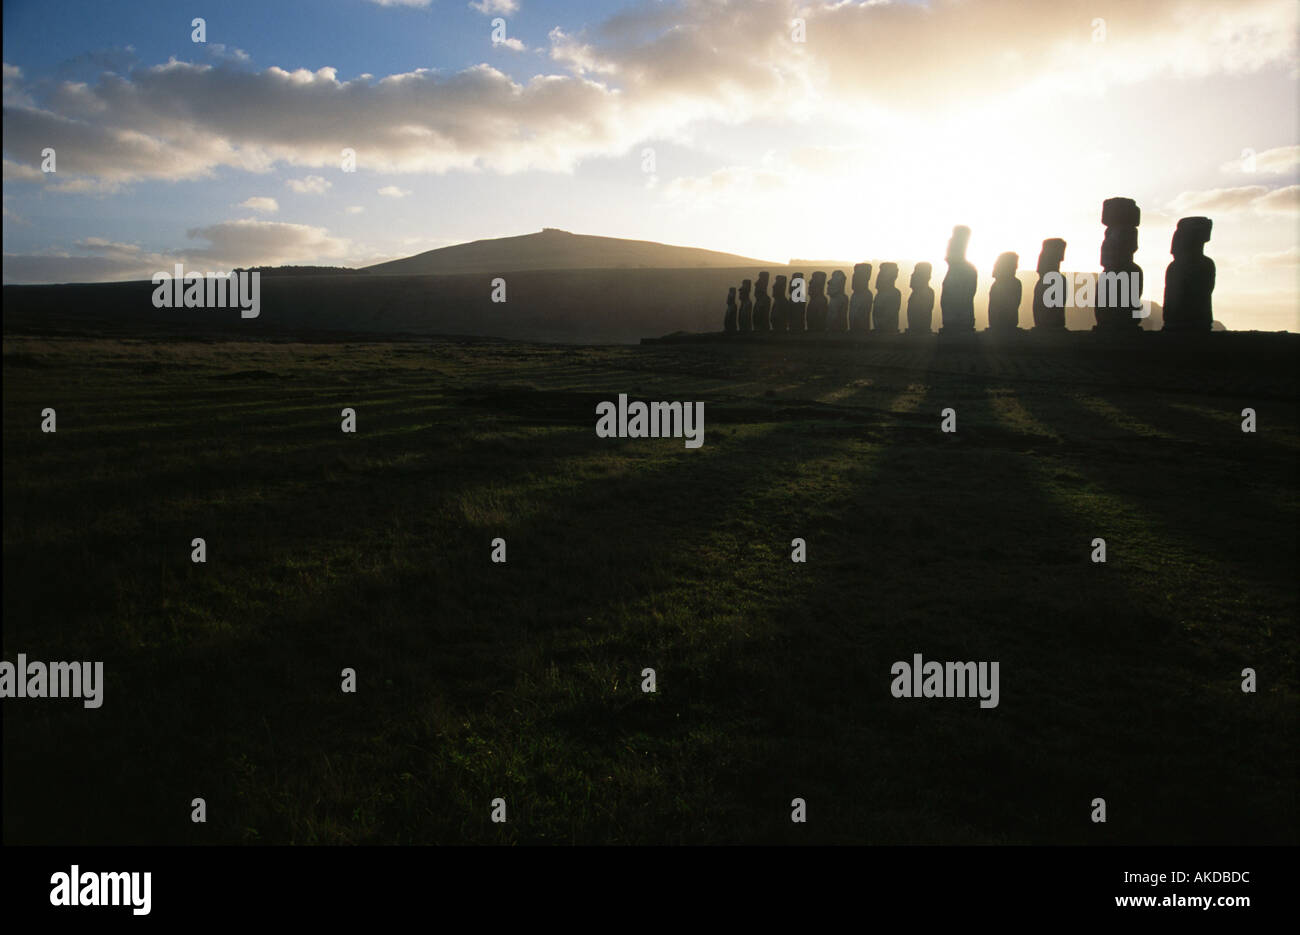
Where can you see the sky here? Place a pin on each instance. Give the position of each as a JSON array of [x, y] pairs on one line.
[[773, 129]]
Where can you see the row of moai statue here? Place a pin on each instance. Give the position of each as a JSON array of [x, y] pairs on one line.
[[1189, 283], [827, 307]]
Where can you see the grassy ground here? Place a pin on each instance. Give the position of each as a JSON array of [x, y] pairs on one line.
[[522, 680]]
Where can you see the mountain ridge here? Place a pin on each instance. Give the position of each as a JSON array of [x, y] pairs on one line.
[[552, 248]]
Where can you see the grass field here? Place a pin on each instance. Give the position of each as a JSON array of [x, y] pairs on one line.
[[522, 681]]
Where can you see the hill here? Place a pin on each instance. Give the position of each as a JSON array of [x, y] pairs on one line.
[[557, 249]]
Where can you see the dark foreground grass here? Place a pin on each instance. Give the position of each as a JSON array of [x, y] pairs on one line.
[[522, 681]]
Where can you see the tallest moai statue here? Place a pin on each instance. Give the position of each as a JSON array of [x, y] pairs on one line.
[[957, 298], [1119, 287], [1189, 279]]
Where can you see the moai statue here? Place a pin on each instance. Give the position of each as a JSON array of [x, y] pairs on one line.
[[729, 321], [799, 307], [818, 308], [1004, 294], [1189, 279], [884, 316], [860, 307], [920, 302], [780, 305], [1119, 287], [746, 313], [957, 298], [1049, 261], [762, 304], [837, 303]]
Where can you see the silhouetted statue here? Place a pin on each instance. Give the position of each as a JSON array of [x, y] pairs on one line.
[[729, 321], [837, 303], [818, 307], [884, 315], [798, 307], [780, 305], [1005, 293], [957, 298], [860, 307], [746, 315], [1189, 279], [762, 304], [1119, 287], [920, 301], [1049, 261]]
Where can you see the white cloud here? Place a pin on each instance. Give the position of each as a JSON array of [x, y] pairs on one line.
[[256, 203], [355, 209], [1269, 162], [495, 7], [1224, 200], [310, 185], [250, 242], [392, 191]]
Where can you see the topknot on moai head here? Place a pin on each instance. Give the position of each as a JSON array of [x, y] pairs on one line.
[[761, 285], [778, 286], [1051, 256], [837, 282], [887, 276], [958, 241], [861, 276], [1120, 212], [1006, 265], [921, 273], [1191, 235]]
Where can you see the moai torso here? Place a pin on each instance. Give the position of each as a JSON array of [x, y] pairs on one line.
[[957, 297], [729, 320], [1189, 279], [762, 304], [746, 310], [1049, 261], [884, 313], [837, 303], [780, 305], [817, 305], [860, 306], [920, 301], [1005, 294], [798, 308]]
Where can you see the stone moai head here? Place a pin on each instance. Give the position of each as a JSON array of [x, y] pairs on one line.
[[1118, 246], [817, 285], [861, 277], [1005, 266], [761, 286], [1120, 212], [778, 287], [921, 275], [888, 275], [838, 279], [731, 294], [957, 243], [1190, 237], [1121, 216], [744, 289], [1051, 256]]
